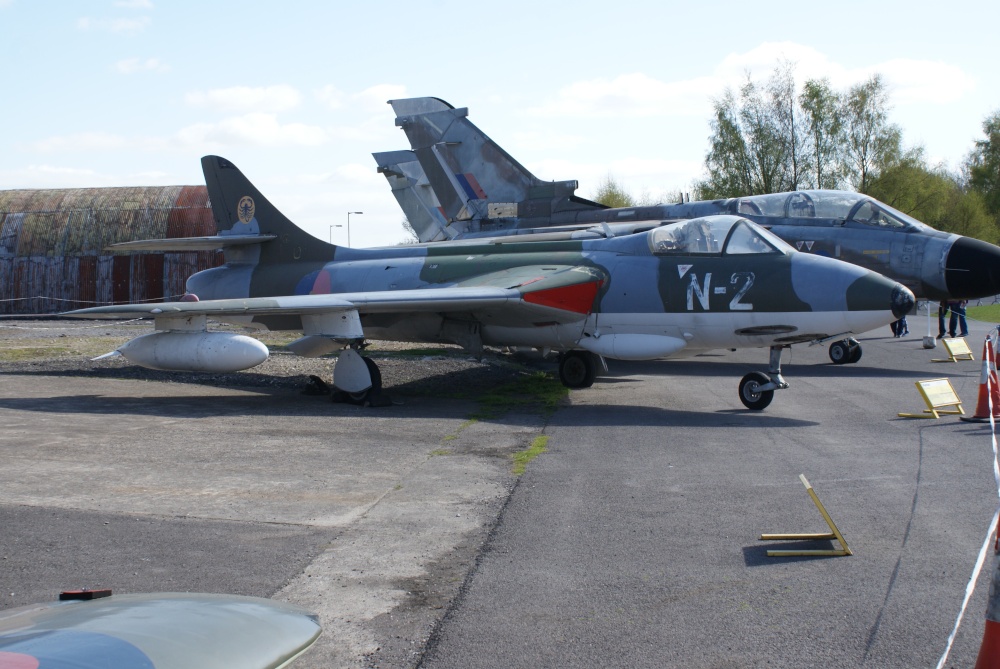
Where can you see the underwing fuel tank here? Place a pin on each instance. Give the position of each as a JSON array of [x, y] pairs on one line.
[[194, 351]]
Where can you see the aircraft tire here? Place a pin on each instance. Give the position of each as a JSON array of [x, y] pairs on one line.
[[577, 369], [376, 387], [840, 352], [855, 352], [750, 394]]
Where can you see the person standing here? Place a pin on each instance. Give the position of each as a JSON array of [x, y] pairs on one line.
[[942, 312], [957, 321]]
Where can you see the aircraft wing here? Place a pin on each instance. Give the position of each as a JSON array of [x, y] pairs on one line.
[[564, 294], [184, 244], [156, 631]]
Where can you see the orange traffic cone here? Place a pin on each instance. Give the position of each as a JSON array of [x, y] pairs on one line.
[[988, 388], [989, 650]]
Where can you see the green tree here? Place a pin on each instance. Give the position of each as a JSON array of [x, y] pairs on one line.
[[935, 197], [820, 106], [727, 161], [871, 142], [411, 235], [790, 126], [983, 165], [610, 193]]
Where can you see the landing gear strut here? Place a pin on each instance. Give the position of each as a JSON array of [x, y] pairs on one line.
[[757, 388], [846, 351]]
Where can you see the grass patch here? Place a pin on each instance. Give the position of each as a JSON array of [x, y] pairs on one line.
[[441, 451], [61, 347], [522, 458], [988, 313], [538, 392]]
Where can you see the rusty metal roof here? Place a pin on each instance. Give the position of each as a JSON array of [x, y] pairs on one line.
[[53, 241]]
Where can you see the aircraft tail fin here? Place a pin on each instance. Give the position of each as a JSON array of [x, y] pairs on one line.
[[414, 194], [240, 209], [473, 178]]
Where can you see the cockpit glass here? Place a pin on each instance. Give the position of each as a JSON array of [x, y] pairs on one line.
[[699, 235], [873, 213], [746, 239], [707, 236]]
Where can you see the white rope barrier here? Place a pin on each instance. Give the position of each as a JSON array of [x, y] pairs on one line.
[[990, 363]]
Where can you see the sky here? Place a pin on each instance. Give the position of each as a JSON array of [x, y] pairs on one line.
[[135, 92]]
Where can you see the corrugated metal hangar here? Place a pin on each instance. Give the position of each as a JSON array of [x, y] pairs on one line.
[[52, 246]]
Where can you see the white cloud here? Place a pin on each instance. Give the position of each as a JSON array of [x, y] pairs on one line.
[[925, 81], [84, 141], [638, 94], [133, 65], [910, 80], [330, 96], [131, 26], [134, 4], [6, 3], [246, 99], [374, 99], [629, 95], [255, 129]]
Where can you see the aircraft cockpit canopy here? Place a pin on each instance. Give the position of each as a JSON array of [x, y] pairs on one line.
[[829, 204], [714, 235]]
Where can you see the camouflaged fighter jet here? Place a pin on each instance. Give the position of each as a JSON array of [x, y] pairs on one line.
[[456, 183], [706, 283]]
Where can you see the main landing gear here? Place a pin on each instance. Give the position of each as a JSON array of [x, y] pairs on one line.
[[757, 388], [356, 380], [845, 352], [578, 369]]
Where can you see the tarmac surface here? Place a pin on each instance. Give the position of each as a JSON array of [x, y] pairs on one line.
[[631, 542]]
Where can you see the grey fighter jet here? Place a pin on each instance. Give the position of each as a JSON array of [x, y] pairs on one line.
[[706, 283], [456, 183]]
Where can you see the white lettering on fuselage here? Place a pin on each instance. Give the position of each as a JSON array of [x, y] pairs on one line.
[[742, 280], [702, 292], [747, 278]]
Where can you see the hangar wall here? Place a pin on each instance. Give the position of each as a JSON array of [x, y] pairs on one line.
[[52, 246]]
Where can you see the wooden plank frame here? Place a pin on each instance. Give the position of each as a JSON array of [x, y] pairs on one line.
[[940, 398], [958, 349], [834, 533]]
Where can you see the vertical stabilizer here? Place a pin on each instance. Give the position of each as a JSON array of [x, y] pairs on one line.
[[463, 165], [414, 194], [473, 178], [240, 209]]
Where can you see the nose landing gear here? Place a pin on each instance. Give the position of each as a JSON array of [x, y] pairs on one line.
[[845, 351], [757, 388]]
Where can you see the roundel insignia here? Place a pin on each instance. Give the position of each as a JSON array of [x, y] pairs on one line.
[[245, 209], [61, 649]]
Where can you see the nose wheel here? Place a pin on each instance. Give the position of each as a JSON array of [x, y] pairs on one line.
[[845, 351], [751, 395], [757, 388]]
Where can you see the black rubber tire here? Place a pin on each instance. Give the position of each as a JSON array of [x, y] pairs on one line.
[[752, 398], [855, 353], [577, 369], [376, 388], [840, 352]]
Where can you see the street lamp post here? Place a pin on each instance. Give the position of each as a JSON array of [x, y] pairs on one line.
[[349, 225], [331, 231]]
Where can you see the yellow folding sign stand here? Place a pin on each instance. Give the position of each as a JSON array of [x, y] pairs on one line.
[[957, 349], [833, 534], [940, 398]]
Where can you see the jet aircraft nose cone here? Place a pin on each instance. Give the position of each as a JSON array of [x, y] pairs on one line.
[[972, 269], [902, 301]]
